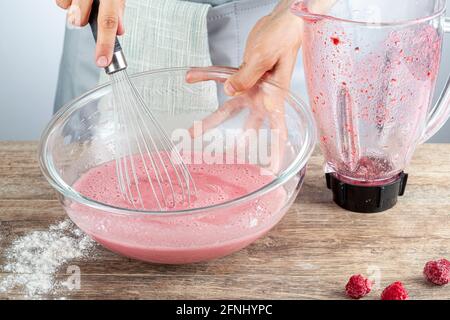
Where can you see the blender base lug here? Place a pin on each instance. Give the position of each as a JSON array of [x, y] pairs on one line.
[[366, 199]]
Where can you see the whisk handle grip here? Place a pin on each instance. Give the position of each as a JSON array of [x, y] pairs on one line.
[[118, 62]]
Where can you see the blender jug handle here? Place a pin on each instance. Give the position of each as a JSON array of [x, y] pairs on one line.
[[440, 112]]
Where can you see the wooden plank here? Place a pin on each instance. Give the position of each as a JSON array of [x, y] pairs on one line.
[[309, 255]]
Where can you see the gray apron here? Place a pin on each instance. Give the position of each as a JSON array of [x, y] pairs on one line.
[[228, 27]]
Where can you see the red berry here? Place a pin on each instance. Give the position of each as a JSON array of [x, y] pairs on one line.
[[437, 272], [358, 286], [395, 291]]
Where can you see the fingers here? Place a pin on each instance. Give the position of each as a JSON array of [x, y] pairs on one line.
[[108, 25], [279, 139], [254, 121], [64, 4], [274, 97], [274, 100], [282, 73], [258, 113], [227, 110], [256, 65], [79, 11]]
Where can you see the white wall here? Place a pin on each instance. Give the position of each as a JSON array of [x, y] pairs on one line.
[[30, 50]]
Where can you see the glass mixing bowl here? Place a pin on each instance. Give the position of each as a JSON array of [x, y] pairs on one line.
[[81, 137]]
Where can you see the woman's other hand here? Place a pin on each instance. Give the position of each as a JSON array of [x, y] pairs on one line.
[[110, 23], [271, 51]]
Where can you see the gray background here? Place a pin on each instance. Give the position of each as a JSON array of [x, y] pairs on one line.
[[30, 50]]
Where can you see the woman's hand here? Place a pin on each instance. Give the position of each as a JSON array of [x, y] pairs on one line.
[[271, 51], [110, 23]]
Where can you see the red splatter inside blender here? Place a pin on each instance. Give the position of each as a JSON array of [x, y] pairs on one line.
[[370, 96], [335, 40]]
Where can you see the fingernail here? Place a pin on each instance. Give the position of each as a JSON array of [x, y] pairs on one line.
[[229, 89], [102, 61]]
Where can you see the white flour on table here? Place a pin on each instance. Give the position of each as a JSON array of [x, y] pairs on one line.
[[32, 260]]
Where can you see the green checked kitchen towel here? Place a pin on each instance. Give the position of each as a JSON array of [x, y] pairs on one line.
[[162, 34], [165, 34]]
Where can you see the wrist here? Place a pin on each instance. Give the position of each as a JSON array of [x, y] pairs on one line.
[[283, 5], [283, 11]]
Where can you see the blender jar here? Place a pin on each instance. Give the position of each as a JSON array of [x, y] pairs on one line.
[[371, 69]]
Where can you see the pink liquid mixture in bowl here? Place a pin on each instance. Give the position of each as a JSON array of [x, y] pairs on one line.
[[235, 204], [181, 238]]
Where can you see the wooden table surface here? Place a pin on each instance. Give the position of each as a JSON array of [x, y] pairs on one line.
[[309, 255]]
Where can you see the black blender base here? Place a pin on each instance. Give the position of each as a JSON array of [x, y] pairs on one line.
[[366, 199]]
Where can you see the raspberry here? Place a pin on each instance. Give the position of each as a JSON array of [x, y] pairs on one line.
[[358, 286], [395, 291], [437, 272]]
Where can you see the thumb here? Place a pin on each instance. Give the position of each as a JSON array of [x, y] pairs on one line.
[[248, 75]]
